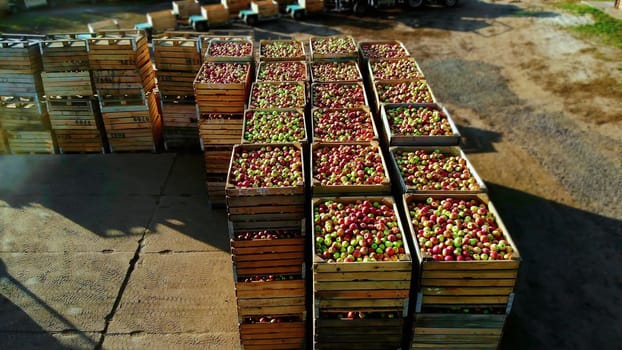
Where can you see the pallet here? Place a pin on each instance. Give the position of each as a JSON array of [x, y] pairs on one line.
[[125, 81], [270, 119], [382, 286], [177, 53], [273, 336], [221, 132], [186, 8], [396, 139], [374, 75], [351, 65], [321, 55], [176, 83], [79, 141], [367, 49], [265, 8], [162, 20], [465, 283], [332, 333], [234, 6], [289, 71], [21, 84], [22, 111], [340, 122], [181, 138], [347, 100], [453, 331], [300, 54], [31, 141], [246, 45], [19, 56], [73, 113], [65, 54], [67, 83], [118, 50], [215, 14], [319, 189], [105, 24], [298, 101], [222, 98], [452, 151]]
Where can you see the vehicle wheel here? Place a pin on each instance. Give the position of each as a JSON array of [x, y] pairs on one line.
[[251, 20], [298, 15], [415, 3], [451, 3], [360, 7], [200, 26]]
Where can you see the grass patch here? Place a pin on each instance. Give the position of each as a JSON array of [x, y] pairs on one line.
[[605, 27]]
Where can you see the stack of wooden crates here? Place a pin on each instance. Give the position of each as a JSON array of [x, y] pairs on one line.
[[178, 59], [73, 110], [125, 82], [24, 119]]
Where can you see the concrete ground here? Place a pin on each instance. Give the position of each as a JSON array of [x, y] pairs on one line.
[[120, 251]]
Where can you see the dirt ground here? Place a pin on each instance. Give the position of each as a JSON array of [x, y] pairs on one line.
[[541, 115]]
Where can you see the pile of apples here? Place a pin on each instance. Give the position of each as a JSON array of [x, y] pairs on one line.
[[454, 229], [342, 125], [274, 126], [348, 164], [399, 69], [338, 95], [266, 234], [224, 73], [230, 48], [333, 45], [282, 71], [269, 319], [415, 91], [277, 95], [281, 49], [359, 231], [335, 71], [383, 50], [418, 121], [267, 166], [434, 170]]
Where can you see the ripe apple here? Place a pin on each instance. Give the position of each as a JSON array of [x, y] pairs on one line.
[[270, 95], [345, 164], [223, 73], [277, 126], [395, 69], [413, 120], [338, 95], [327, 46], [415, 91], [282, 71], [281, 49], [342, 125], [335, 71], [387, 49], [266, 166]]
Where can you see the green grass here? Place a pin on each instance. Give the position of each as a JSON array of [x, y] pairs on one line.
[[605, 27]]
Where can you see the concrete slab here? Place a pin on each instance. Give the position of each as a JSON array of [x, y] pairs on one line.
[[84, 174], [49, 341], [178, 293], [59, 292], [186, 223], [187, 175], [74, 223], [208, 341]]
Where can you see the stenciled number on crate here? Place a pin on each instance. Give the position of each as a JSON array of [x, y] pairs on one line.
[[117, 135], [141, 119], [83, 122]]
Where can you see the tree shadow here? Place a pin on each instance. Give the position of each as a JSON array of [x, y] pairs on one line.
[[568, 290]]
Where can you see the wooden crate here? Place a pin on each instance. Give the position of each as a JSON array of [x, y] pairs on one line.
[[67, 83], [351, 65], [265, 8], [176, 138], [177, 53], [247, 54], [22, 112], [222, 98], [367, 49], [270, 298], [176, 83], [72, 113], [318, 188], [312, 6], [134, 130], [416, 72], [347, 100], [120, 103], [217, 161], [299, 100], [234, 6], [347, 42], [380, 286], [396, 139], [465, 283], [20, 84], [287, 71], [118, 50], [4, 145], [273, 336], [226, 34], [331, 333], [221, 131], [265, 45], [79, 141], [162, 20], [124, 81], [31, 141], [216, 190], [453, 151], [382, 90], [63, 54], [283, 116], [186, 8], [215, 14], [179, 115], [19, 56], [341, 122], [453, 330], [105, 24]]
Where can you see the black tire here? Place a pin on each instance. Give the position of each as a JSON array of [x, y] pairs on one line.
[[200, 26], [413, 4], [251, 20], [360, 7], [450, 3], [298, 15]]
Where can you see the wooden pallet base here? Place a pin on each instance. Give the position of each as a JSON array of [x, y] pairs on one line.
[[273, 336]]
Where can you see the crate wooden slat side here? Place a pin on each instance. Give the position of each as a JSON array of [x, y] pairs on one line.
[[79, 141], [455, 331], [12, 84], [64, 54], [186, 8], [4, 145], [222, 98], [221, 133], [417, 73], [272, 336], [20, 56], [67, 83], [419, 140], [162, 20], [180, 115], [215, 14], [24, 141]]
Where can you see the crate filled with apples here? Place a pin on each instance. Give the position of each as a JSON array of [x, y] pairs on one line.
[[265, 183], [343, 125], [274, 126], [268, 251], [434, 170], [222, 87], [338, 95], [218, 130], [332, 48], [361, 259], [271, 294], [382, 49], [394, 69], [335, 71], [349, 169], [352, 329], [282, 71], [271, 95], [466, 253], [473, 327], [281, 50], [272, 332], [235, 49], [413, 124], [402, 91]]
